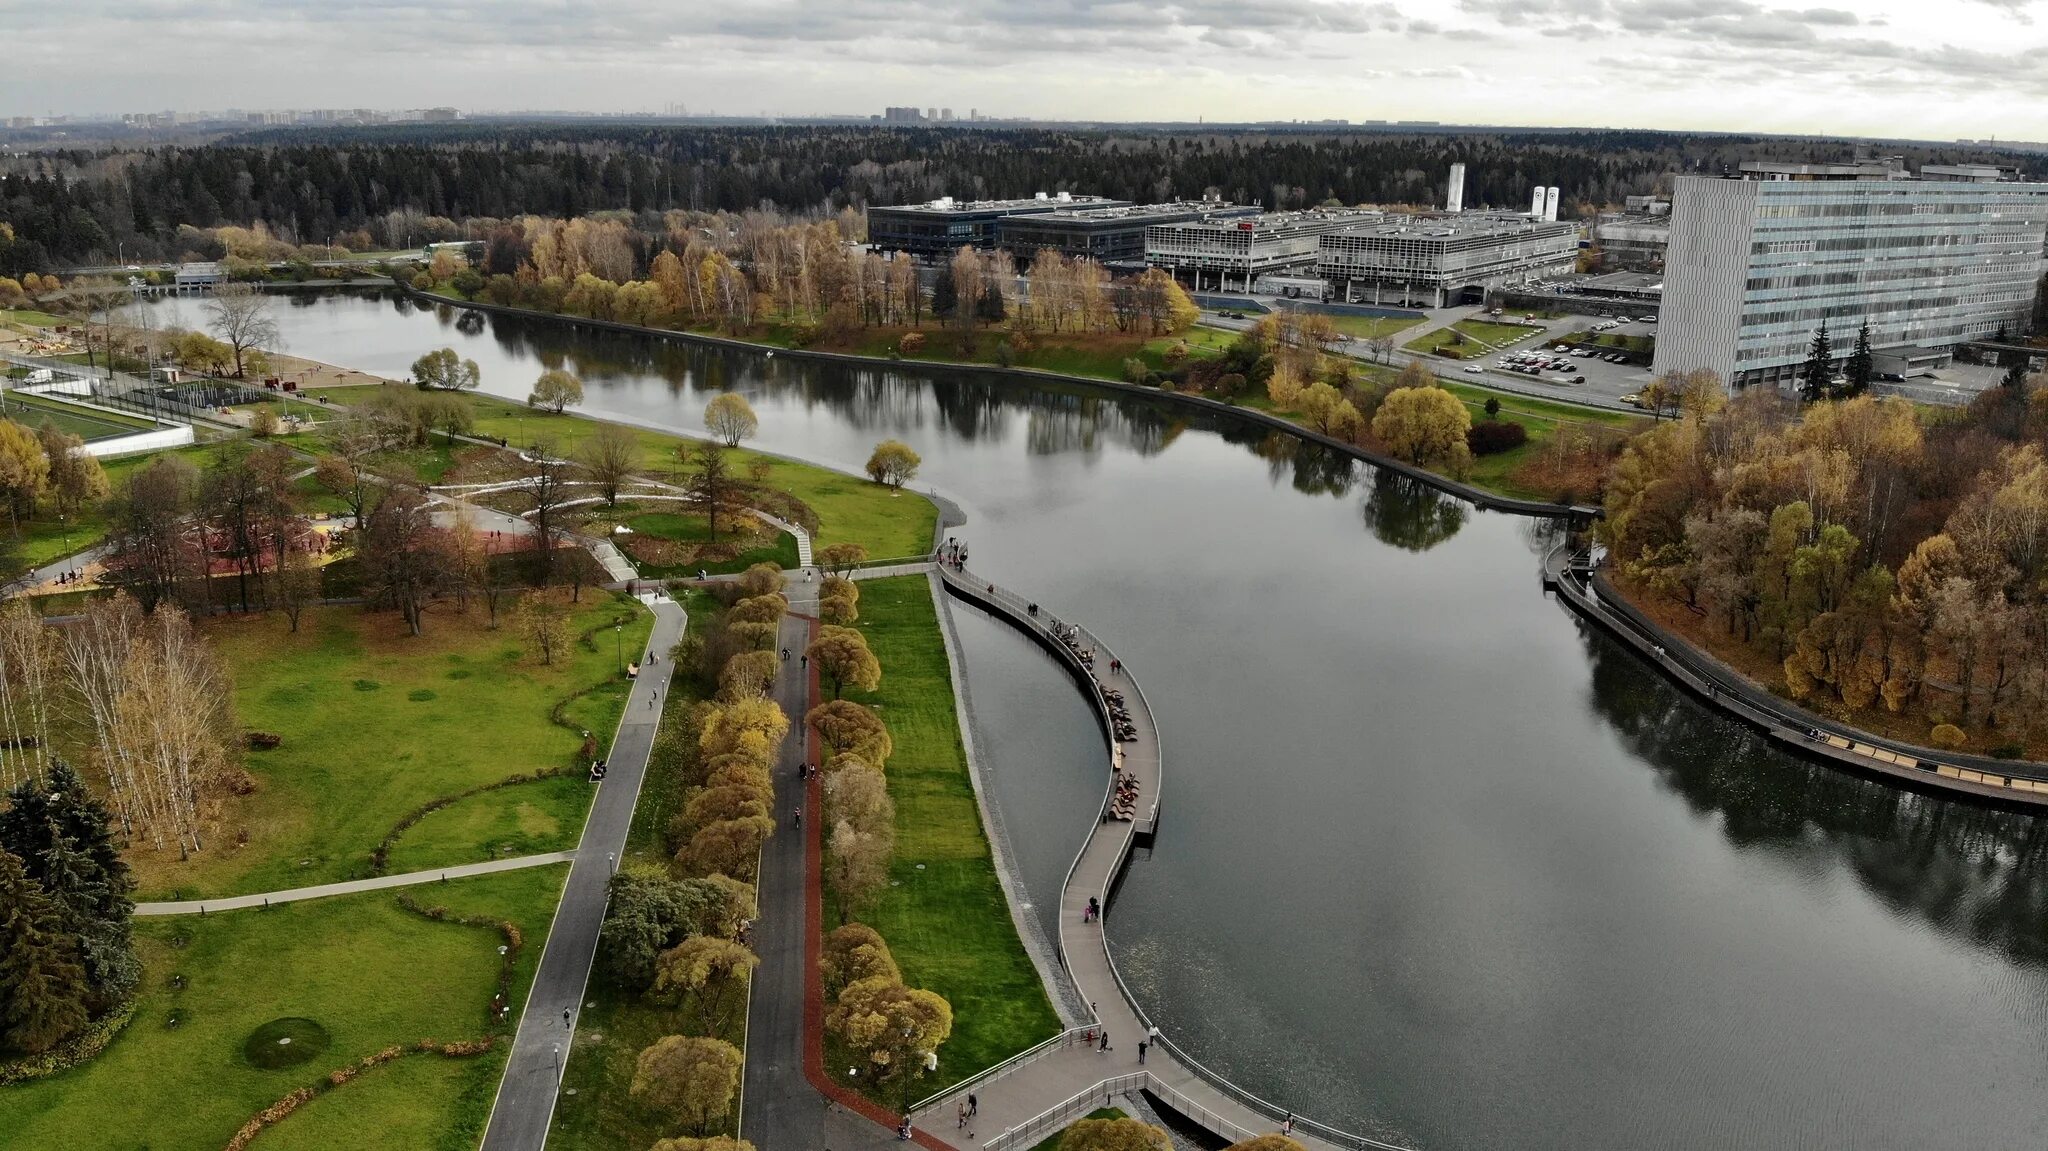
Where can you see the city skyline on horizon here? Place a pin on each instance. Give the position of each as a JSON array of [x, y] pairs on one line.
[[1855, 68]]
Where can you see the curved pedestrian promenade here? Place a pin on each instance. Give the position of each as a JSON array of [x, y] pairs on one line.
[[1027, 1098]]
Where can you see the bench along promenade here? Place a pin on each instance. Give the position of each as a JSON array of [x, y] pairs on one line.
[[1034, 1094]]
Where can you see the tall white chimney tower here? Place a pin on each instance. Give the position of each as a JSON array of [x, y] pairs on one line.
[[1536, 201], [1550, 204], [1454, 198]]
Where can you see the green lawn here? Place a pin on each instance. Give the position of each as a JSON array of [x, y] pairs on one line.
[[665, 522], [369, 972], [523, 819], [85, 423], [377, 723], [946, 921], [849, 508], [1372, 327], [1481, 337], [31, 317]]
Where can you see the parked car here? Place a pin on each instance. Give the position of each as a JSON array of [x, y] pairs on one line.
[[1578, 379], [1475, 370], [1633, 399]]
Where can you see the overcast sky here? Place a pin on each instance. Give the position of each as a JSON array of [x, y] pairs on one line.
[[1934, 69]]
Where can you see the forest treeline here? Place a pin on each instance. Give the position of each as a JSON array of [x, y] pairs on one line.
[[377, 185]]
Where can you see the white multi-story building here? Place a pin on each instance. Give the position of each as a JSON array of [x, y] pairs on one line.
[[1757, 264]]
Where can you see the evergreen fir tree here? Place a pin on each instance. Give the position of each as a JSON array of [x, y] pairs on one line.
[[63, 837], [42, 982], [2015, 378], [1820, 366], [989, 309], [1860, 367], [945, 297]]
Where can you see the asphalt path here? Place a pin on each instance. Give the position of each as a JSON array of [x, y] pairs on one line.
[[525, 1105]]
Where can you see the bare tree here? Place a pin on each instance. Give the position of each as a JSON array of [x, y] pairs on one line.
[[240, 315], [712, 483], [404, 555], [548, 486], [611, 456]]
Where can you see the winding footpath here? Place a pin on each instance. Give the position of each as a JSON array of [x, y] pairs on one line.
[[525, 1104], [350, 887]]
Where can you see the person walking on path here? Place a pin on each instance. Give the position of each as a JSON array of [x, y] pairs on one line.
[[1142, 1045], [961, 1121], [1104, 1042], [1287, 1125], [973, 1106], [785, 655], [797, 820]]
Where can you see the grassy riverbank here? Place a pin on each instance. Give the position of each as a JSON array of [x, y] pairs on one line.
[[368, 972], [946, 919]]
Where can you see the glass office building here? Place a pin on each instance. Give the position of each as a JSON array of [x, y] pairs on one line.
[[1758, 264]]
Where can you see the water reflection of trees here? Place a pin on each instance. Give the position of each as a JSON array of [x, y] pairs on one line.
[[1407, 513], [1964, 868]]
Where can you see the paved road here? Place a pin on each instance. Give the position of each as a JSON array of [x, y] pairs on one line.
[[526, 1096], [780, 1108], [350, 887]]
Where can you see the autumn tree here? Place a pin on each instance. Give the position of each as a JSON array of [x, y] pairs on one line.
[[893, 463], [405, 556], [556, 390], [153, 546], [1425, 426], [544, 625], [853, 952], [1114, 1135], [848, 728], [747, 675], [76, 478], [730, 418], [689, 1078], [611, 455], [441, 369], [838, 559], [295, 583], [762, 579], [711, 1143], [890, 1027], [857, 865], [841, 655], [240, 315], [24, 471], [708, 968]]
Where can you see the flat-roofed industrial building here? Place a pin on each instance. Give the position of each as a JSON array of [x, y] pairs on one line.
[[1106, 235], [1228, 254], [1432, 261], [946, 225]]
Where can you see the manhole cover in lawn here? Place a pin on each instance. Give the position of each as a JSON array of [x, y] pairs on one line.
[[284, 1042]]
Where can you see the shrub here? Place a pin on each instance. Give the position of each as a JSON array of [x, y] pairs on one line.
[[1495, 436], [1947, 736], [1231, 384], [911, 343], [1175, 354], [1492, 407], [1006, 356], [1136, 371], [2009, 751], [265, 741]]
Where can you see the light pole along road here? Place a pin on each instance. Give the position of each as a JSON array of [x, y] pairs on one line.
[[525, 1106]]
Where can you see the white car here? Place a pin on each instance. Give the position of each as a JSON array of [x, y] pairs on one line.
[[1474, 370]]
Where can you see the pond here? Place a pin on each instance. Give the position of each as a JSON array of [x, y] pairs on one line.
[[1436, 862]]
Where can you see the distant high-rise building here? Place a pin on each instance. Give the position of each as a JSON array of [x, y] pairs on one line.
[[931, 113], [1454, 194], [945, 113], [902, 115]]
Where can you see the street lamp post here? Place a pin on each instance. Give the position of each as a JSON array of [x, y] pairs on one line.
[[619, 643]]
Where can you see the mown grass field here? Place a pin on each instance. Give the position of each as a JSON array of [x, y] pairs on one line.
[[946, 921], [368, 971], [1372, 327], [377, 723]]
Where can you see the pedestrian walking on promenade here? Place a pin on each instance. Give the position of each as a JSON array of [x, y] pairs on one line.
[[1287, 1127], [797, 820], [962, 1120], [973, 1106], [1142, 1045], [1105, 1041], [785, 655]]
